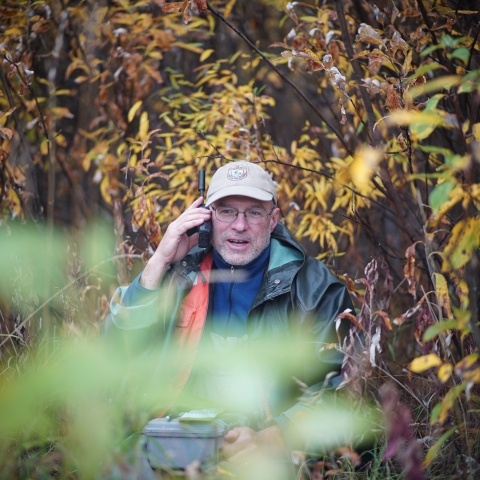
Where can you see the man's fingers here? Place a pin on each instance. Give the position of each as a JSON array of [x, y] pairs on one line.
[[193, 240], [232, 435], [196, 203]]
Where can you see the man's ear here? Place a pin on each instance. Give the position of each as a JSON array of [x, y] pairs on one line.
[[274, 219]]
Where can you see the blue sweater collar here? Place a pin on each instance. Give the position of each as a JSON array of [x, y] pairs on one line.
[[253, 268]]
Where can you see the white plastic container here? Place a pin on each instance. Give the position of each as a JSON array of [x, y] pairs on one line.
[[175, 445]]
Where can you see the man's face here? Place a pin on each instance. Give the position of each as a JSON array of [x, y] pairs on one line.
[[240, 242]]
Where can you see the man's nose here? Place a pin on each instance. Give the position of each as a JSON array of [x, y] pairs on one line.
[[240, 223]]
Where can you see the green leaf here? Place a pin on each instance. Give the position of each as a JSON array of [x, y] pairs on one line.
[[434, 449], [433, 102], [422, 70], [429, 50], [461, 53], [434, 149], [440, 194], [433, 330], [448, 41], [435, 413]]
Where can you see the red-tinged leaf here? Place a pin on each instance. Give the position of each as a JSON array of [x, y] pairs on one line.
[[156, 175], [174, 7], [6, 132], [279, 44], [344, 115], [353, 456], [351, 288], [155, 74], [393, 99], [386, 320], [352, 318], [398, 43], [409, 269], [400, 320], [201, 5], [367, 34], [186, 16]]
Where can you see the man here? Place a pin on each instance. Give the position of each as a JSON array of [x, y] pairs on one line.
[[282, 298]]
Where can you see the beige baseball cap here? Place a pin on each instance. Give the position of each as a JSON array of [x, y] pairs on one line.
[[241, 178]]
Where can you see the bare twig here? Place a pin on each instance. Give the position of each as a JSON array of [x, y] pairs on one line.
[[75, 280], [284, 77], [326, 175], [203, 137], [472, 48], [357, 71]]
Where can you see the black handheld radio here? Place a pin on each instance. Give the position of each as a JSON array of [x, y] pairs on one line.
[[205, 229]]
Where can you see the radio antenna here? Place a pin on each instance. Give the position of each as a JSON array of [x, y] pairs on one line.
[[201, 182]]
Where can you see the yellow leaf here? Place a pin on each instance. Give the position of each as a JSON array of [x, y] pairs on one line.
[[466, 362], [476, 131], [363, 165], [13, 31], [444, 372], [133, 110], [105, 189], [465, 238], [44, 147], [206, 54], [61, 140], [87, 161], [442, 293], [61, 112], [133, 160], [420, 364], [228, 8], [462, 292], [472, 375], [421, 124], [144, 125], [187, 46], [449, 400], [15, 205]]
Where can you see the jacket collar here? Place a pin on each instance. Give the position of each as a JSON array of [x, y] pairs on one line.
[[285, 249]]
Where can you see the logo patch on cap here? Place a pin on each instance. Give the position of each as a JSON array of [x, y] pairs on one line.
[[237, 172]]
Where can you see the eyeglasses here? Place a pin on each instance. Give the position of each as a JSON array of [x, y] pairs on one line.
[[253, 216]]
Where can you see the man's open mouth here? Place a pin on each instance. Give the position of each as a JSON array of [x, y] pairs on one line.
[[238, 242]]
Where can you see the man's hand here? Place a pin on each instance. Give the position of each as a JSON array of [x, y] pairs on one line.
[[175, 243], [244, 444]]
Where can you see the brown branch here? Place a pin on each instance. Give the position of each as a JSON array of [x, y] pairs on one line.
[[65, 169], [370, 233], [284, 77], [30, 173], [472, 48], [357, 72], [428, 24]]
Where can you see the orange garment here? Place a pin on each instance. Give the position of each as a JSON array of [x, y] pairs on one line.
[[188, 330]]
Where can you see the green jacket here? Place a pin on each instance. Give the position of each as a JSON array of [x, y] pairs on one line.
[[294, 311]]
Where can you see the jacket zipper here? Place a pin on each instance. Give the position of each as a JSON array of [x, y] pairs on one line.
[[232, 270]]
